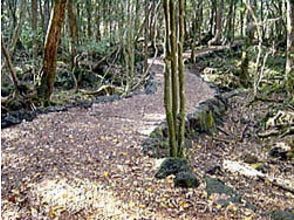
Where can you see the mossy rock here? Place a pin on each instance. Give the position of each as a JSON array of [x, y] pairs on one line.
[[250, 158], [216, 186], [201, 120], [172, 166], [156, 147], [186, 179], [157, 133]]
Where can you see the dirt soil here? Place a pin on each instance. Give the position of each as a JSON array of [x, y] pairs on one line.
[[47, 162]]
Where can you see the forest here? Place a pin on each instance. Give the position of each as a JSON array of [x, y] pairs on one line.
[[147, 109]]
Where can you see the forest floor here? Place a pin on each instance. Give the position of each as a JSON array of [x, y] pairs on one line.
[[89, 164]]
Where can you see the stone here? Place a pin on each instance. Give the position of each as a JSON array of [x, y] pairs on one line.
[[172, 166], [279, 152], [282, 215], [151, 86], [216, 186], [250, 159], [186, 179], [214, 170]]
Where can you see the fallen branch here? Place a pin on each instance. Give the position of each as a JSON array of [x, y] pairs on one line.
[[10, 65], [103, 90], [248, 171]]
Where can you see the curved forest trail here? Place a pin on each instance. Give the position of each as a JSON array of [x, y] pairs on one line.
[[88, 163]]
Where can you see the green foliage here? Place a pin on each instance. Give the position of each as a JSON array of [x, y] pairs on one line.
[[27, 37], [101, 47]]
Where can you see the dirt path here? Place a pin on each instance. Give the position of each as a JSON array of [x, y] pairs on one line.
[[88, 163]]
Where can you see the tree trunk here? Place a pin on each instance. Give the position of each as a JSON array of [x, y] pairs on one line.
[[18, 28], [51, 43], [9, 64], [174, 64], [35, 32], [73, 30], [89, 16], [181, 132], [290, 46], [46, 17], [244, 75], [168, 82], [146, 37], [218, 23]]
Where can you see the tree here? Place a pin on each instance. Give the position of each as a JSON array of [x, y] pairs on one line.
[[9, 64], [73, 30], [182, 96], [218, 22], [290, 46], [35, 29], [174, 78], [51, 43]]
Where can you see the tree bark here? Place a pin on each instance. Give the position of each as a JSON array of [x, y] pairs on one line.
[[51, 43], [17, 30], [35, 32], [9, 64], [290, 46], [73, 30], [218, 23], [46, 17], [89, 16], [168, 82], [174, 63], [146, 33], [181, 131]]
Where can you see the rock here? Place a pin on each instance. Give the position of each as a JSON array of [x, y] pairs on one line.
[[281, 152], [213, 170], [150, 87], [105, 99], [216, 186], [8, 121], [171, 166], [282, 215], [201, 120], [151, 148], [186, 179], [16, 117], [250, 159]]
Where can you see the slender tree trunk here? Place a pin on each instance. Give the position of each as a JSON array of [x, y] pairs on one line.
[[168, 102], [46, 17], [73, 30], [18, 28], [174, 64], [230, 21], [244, 75], [212, 14], [98, 20], [181, 132], [218, 23], [290, 46], [89, 17], [9, 64], [34, 27], [51, 43], [146, 37]]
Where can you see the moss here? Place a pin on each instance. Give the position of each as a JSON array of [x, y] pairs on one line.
[[257, 166], [157, 133], [207, 121]]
